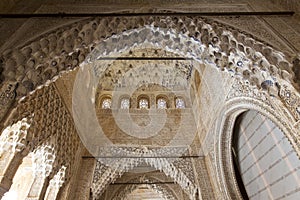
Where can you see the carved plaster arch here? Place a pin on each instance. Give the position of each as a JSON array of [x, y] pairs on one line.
[[104, 175], [35, 135], [51, 124], [270, 93], [107, 175], [223, 139], [36, 63], [125, 190]]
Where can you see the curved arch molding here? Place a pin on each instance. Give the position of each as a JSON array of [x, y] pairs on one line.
[[43, 60]]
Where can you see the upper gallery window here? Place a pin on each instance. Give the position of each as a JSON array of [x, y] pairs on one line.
[[106, 103], [125, 103], [144, 103], [161, 103], [179, 103]]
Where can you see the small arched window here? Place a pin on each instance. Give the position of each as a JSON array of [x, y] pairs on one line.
[[161, 103], [106, 103], [125, 103], [143, 103], [179, 102]]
